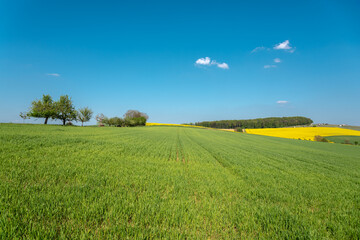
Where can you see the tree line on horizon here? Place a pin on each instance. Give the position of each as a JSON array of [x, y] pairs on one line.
[[64, 110], [271, 122]]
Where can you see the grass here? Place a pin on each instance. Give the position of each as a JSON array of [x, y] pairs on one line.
[[174, 182], [344, 139], [172, 125]]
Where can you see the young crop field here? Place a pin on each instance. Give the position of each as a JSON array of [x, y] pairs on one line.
[[171, 125], [303, 133], [345, 139], [174, 182]]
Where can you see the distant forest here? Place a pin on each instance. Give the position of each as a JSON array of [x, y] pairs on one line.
[[271, 122]]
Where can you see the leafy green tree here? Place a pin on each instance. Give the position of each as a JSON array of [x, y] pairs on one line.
[[84, 115], [65, 111], [44, 108]]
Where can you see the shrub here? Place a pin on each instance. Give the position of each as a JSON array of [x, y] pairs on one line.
[[105, 120], [240, 130], [319, 138], [140, 121], [111, 121], [132, 118], [119, 122], [116, 122]]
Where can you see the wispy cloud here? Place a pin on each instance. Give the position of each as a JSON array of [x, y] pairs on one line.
[[284, 46], [282, 102], [206, 61], [53, 74], [270, 66], [280, 46], [277, 60], [258, 49]]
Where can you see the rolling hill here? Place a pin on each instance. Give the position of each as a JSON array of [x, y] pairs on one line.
[[174, 182]]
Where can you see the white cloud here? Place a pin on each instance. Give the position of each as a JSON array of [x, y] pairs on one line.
[[203, 61], [284, 46], [277, 60], [223, 65], [207, 62], [282, 102], [270, 66], [53, 74]]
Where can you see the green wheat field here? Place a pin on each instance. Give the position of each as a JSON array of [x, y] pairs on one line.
[[174, 183]]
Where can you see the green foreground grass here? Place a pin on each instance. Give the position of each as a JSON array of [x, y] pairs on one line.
[[172, 182], [344, 139]]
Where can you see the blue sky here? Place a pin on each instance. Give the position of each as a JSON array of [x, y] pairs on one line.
[[184, 61]]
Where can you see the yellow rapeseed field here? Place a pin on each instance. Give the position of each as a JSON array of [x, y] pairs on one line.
[[303, 133]]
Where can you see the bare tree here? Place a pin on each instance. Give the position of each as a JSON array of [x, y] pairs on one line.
[[100, 118], [24, 116], [135, 114]]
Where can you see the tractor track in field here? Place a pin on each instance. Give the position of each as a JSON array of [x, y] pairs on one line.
[[179, 149], [224, 163]]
